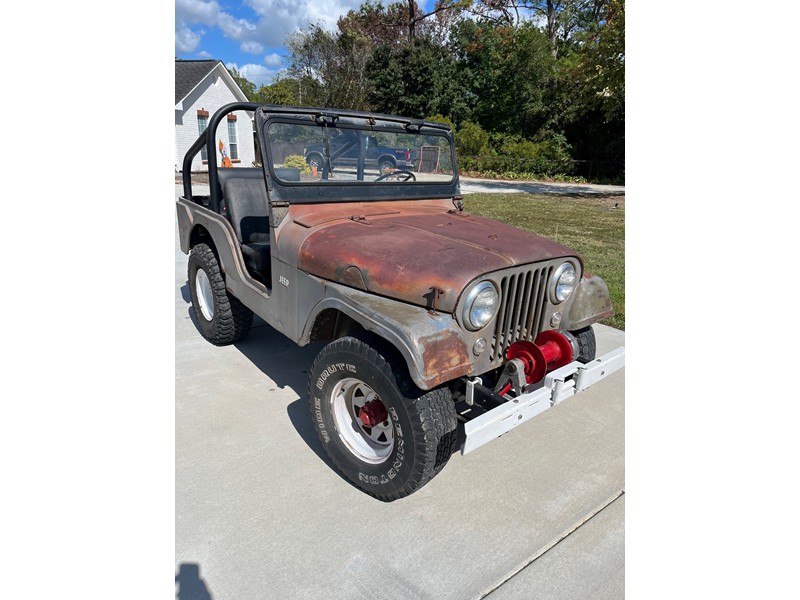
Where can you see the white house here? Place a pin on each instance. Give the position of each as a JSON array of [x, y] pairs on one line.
[[201, 87]]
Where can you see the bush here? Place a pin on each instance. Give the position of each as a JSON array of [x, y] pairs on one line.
[[471, 140], [298, 162], [442, 119]]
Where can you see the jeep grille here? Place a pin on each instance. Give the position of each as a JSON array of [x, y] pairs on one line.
[[523, 298]]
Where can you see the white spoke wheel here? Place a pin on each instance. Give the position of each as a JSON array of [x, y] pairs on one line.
[[369, 434], [219, 316], [385, 435]]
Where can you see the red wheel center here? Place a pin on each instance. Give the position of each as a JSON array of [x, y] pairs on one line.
[[372, 413]]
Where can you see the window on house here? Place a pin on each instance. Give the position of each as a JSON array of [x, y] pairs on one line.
[[202, 123], [233, 141]]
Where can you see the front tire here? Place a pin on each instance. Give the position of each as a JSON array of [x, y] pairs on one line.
[[219, 317], [385, 435], [587, 344]]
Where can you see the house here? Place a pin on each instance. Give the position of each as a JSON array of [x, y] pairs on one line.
[[201, 87]]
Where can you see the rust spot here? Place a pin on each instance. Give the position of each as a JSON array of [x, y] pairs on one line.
[[445, 356]]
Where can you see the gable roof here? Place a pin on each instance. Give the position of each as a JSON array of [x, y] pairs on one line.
[[188, 73]]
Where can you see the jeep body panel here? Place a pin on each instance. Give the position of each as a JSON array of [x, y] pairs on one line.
[[404, 254]]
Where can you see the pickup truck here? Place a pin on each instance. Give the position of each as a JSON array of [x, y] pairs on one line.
[[344, 152], [443, 329]]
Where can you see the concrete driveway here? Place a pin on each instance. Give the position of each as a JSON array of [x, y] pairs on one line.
[[260, 512], [473, 185]]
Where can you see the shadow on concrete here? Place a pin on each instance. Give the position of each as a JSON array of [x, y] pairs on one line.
[[300, 416], [187, 297], [287, 364], [279, 358], [190, 586]]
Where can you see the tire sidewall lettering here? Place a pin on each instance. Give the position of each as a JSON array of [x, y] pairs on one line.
[[332, 369]]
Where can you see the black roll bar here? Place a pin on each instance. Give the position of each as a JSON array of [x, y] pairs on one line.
[[207, 139]]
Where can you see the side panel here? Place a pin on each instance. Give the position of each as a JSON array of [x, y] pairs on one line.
[[433, 345]]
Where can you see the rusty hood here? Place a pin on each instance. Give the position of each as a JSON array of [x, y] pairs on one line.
[[404, 256]]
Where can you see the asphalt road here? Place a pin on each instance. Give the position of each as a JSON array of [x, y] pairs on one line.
[[260, 512]]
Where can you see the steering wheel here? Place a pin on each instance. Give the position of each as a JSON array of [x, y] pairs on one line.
[[409, 176]]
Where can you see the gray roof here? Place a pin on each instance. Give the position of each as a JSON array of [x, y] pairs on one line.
[[188, 73]]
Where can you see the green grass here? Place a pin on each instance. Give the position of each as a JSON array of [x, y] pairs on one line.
[[589, 225]]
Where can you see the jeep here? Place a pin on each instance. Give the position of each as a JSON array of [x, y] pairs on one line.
[[444, 329]]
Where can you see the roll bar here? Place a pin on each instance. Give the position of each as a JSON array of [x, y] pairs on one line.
[[207, 139]]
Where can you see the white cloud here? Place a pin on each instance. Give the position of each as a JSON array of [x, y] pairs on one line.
[[236, 29], [204, 54], [197, 11], [251, 47], [255, 73], [186, 40], [274, 21], [273, 60]]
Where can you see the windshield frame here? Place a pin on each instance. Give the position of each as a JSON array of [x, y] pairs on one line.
[[309, 192]]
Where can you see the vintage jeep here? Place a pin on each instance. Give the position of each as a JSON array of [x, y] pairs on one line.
[[434, 316]]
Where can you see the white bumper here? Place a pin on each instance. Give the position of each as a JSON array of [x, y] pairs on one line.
[[558, 385]]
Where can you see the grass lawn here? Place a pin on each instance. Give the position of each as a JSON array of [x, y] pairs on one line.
[[592, 226]]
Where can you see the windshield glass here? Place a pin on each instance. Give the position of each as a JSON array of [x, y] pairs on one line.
[[313, 154]]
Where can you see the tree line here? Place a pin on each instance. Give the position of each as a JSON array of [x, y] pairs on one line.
[[530, 87]]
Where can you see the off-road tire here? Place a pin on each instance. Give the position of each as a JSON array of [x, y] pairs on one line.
[[587, 345], [231, 320], [423, 423]]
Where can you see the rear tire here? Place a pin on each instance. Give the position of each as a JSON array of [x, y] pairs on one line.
[[219, 316], [403, 440]]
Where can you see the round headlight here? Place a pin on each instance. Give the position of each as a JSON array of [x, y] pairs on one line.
[[480, 306], [563, 283]]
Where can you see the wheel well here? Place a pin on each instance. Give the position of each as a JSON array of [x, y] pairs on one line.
[[332, 324], [200, 235], [387, 157]]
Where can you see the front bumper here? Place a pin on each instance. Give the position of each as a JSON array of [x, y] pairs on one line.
[[558, 385]]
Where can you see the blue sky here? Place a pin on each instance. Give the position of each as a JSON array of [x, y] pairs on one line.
[[250, 34]]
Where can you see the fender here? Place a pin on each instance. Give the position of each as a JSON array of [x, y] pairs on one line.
[[432, 344], [237, 280], [590, 303]]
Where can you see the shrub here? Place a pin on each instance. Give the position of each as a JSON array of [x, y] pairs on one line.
[[298, 162], [441, 119], [471, 140]]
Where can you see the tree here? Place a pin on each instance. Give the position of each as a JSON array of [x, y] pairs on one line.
[[247, 86], [417, 80], [330, 68], [509, 74], [562, 18]]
